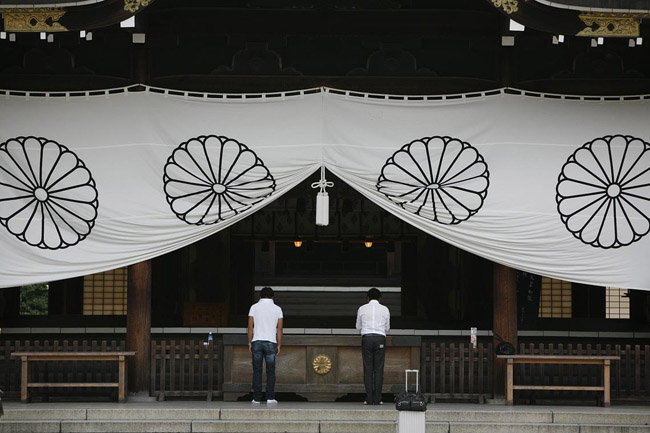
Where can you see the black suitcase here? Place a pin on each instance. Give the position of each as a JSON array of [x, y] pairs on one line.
[[412, 401]]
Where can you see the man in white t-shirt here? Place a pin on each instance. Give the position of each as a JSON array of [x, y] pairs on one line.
[[264, 341], [373, 320]]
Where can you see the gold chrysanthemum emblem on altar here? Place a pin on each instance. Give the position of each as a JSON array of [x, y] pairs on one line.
[[322, 364]]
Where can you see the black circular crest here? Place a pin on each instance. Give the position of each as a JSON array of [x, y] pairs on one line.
[[48, 197], [212, 178], [603, 191], [442, 179]]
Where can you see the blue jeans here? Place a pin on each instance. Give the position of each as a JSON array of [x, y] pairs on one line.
[[263, 350]]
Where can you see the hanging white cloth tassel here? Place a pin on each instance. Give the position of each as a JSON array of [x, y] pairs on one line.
[[322, 199]]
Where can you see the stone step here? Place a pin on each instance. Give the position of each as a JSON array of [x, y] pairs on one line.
[[314, 426], [357, 427], [108, 414], [154, 414], [595, 428], [602, 418], [256, 427], [126, 426], [490, 416], [24, 413], [309, 414], [472, 427], [29, 426], [202, 417], [538, 428]]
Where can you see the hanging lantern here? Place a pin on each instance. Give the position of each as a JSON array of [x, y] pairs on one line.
[[322, 199]]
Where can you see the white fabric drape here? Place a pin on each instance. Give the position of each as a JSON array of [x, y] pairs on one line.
[[556, 187], [517, 149], [125, 142]]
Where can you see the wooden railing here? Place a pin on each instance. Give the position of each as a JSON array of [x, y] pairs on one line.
[[185, 368], [456, 370], [460, 371]]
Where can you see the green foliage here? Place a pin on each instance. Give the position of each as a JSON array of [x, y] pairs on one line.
[[33, 299]]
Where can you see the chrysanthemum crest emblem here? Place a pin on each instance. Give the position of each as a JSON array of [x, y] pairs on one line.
[[442, 179], [211, 178], [48, 197], [603, 191]]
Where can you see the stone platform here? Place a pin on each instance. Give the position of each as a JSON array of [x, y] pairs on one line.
[[214, 417]]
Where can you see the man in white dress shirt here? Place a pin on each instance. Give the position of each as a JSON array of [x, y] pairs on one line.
[[373, 320], [264, 341]]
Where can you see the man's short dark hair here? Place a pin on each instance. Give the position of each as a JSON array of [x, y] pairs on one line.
[[267, 292], [374, 293]]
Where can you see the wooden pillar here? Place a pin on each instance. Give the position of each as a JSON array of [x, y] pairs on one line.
[[9, 303], [504, 317], [138, 327], [639, 308]]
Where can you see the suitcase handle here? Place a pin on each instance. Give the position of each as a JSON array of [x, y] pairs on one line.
[[417, 380]]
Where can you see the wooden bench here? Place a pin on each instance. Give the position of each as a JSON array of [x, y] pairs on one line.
[[605, 361], [26, 357]]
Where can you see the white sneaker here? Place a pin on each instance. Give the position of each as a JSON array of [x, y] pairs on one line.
[[255, 402], [272, 401]]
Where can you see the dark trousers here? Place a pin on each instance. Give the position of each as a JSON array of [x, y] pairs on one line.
[[263, 350], [373, 350]]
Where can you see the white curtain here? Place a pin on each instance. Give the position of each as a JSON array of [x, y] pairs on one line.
[[556, 187], [132, 176]]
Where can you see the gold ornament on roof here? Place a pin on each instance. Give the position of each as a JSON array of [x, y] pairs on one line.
[[508, 6], [133, 5], [322, 364], [34, 20], [606, 24]]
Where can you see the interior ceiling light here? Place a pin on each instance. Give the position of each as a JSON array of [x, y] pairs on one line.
[[368, 244], [128, 23], [82, 34], [89, 36], [639, 41], [43, 36], [631, 43], [12, 37], [560, 38], [3, 35], [50, 38], [594, 43], [601, 41], [555, 40], [516, 27], [297, 244]]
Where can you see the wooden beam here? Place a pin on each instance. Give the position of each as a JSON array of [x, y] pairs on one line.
[[138, 327], [504, 316]]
